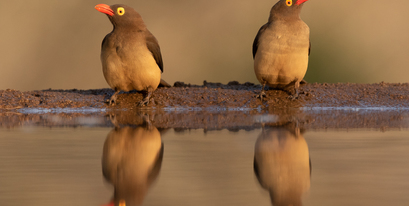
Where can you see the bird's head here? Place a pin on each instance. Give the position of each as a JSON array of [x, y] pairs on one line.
[[287, 8], [120, 14]]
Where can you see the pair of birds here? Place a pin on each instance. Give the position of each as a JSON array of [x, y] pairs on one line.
[[131, 57]]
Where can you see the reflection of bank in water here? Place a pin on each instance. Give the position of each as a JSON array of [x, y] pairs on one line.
[[131, 161], [282, 165]]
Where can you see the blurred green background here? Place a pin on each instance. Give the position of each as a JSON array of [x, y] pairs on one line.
[[56, 44]]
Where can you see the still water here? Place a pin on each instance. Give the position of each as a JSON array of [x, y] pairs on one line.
[[146, 166]]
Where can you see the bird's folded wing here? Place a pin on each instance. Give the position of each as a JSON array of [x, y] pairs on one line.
[[154, 48]]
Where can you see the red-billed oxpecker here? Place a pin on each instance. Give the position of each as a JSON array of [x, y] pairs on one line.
[[281, 48], [130, 54]]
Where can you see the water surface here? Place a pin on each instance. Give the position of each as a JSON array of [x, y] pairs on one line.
[[280, 164]]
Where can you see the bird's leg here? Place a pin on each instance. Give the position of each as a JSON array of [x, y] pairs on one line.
[[145, 100], [262, 93], [112, 100], [295, 95]]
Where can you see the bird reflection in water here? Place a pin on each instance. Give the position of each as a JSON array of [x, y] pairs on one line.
[[131, 161], [282, 165]]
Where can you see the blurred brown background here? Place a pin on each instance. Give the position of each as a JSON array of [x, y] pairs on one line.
[[56, 44]]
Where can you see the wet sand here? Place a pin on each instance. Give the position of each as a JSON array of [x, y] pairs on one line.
[[215, 106]]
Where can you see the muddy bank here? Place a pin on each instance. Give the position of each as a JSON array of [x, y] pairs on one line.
[[232, 95], [214, 106]]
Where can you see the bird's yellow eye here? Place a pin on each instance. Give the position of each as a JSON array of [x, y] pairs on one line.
[[289, 2], [120, 11]]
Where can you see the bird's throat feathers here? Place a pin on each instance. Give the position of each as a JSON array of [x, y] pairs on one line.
[[134, 25]]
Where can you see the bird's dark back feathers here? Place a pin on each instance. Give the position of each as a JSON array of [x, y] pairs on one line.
[[255, 43], [154, 48]]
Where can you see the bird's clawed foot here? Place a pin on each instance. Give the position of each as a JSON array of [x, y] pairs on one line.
[[261, 95], [294, 96], [296, 93], [112, 101], [146, 99], [144, 102]]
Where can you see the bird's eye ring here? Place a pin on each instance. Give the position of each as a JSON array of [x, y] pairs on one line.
[[120, 11], [289, 2]]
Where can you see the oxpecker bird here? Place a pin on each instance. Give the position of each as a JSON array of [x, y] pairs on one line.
[[282, 47], [130, 54]]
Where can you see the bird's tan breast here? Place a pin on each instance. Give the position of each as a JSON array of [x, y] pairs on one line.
[[128, 64], [282, 55]]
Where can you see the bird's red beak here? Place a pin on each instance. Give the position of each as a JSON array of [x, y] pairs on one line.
[[109, 204], [104, 9], [300, 2]]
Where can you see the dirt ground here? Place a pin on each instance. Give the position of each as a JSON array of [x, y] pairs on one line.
[[214, 106]]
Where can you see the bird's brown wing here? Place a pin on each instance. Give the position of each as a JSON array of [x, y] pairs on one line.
[[105, 39], [154, 48], [255, 43]]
